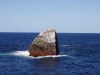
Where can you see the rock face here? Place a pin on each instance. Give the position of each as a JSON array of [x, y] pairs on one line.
[[45, 44]]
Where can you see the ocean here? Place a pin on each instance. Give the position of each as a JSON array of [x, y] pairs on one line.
[[79, 55]]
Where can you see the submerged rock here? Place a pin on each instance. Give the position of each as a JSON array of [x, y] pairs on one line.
[[45, 44]]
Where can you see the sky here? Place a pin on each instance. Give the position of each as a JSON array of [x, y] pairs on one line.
[[66, 16]]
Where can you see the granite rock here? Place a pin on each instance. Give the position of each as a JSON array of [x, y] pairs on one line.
[[45, 44]]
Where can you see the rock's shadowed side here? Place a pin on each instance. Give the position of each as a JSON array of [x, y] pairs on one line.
[[45, 44]]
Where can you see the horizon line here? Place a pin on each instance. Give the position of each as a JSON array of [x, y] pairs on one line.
[[56, 32]]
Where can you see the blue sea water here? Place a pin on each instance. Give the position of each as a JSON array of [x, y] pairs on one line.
[[79, 55]]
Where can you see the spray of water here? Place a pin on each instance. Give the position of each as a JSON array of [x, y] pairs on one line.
[[26, 55]]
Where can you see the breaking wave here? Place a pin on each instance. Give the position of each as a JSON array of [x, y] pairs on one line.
[[21, 53], [64, 45], [26, 54]]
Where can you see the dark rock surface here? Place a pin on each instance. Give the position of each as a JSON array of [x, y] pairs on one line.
[[45, 44]]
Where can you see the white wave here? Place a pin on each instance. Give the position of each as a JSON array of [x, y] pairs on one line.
[[21, 53], [64, 45], [26, 54], [52, 56]]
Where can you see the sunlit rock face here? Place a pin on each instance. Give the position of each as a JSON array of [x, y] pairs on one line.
[[45, 44]]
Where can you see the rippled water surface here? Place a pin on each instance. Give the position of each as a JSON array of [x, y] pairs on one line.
[[79, 55]]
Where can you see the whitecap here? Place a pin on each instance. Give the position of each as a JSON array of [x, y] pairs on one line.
[[64, 45], [21, 53], [26, 54]]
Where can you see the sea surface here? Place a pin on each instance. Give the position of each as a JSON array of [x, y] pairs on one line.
[[79, 55]]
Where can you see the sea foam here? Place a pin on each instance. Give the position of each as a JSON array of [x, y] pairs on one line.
[[26, 54]]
